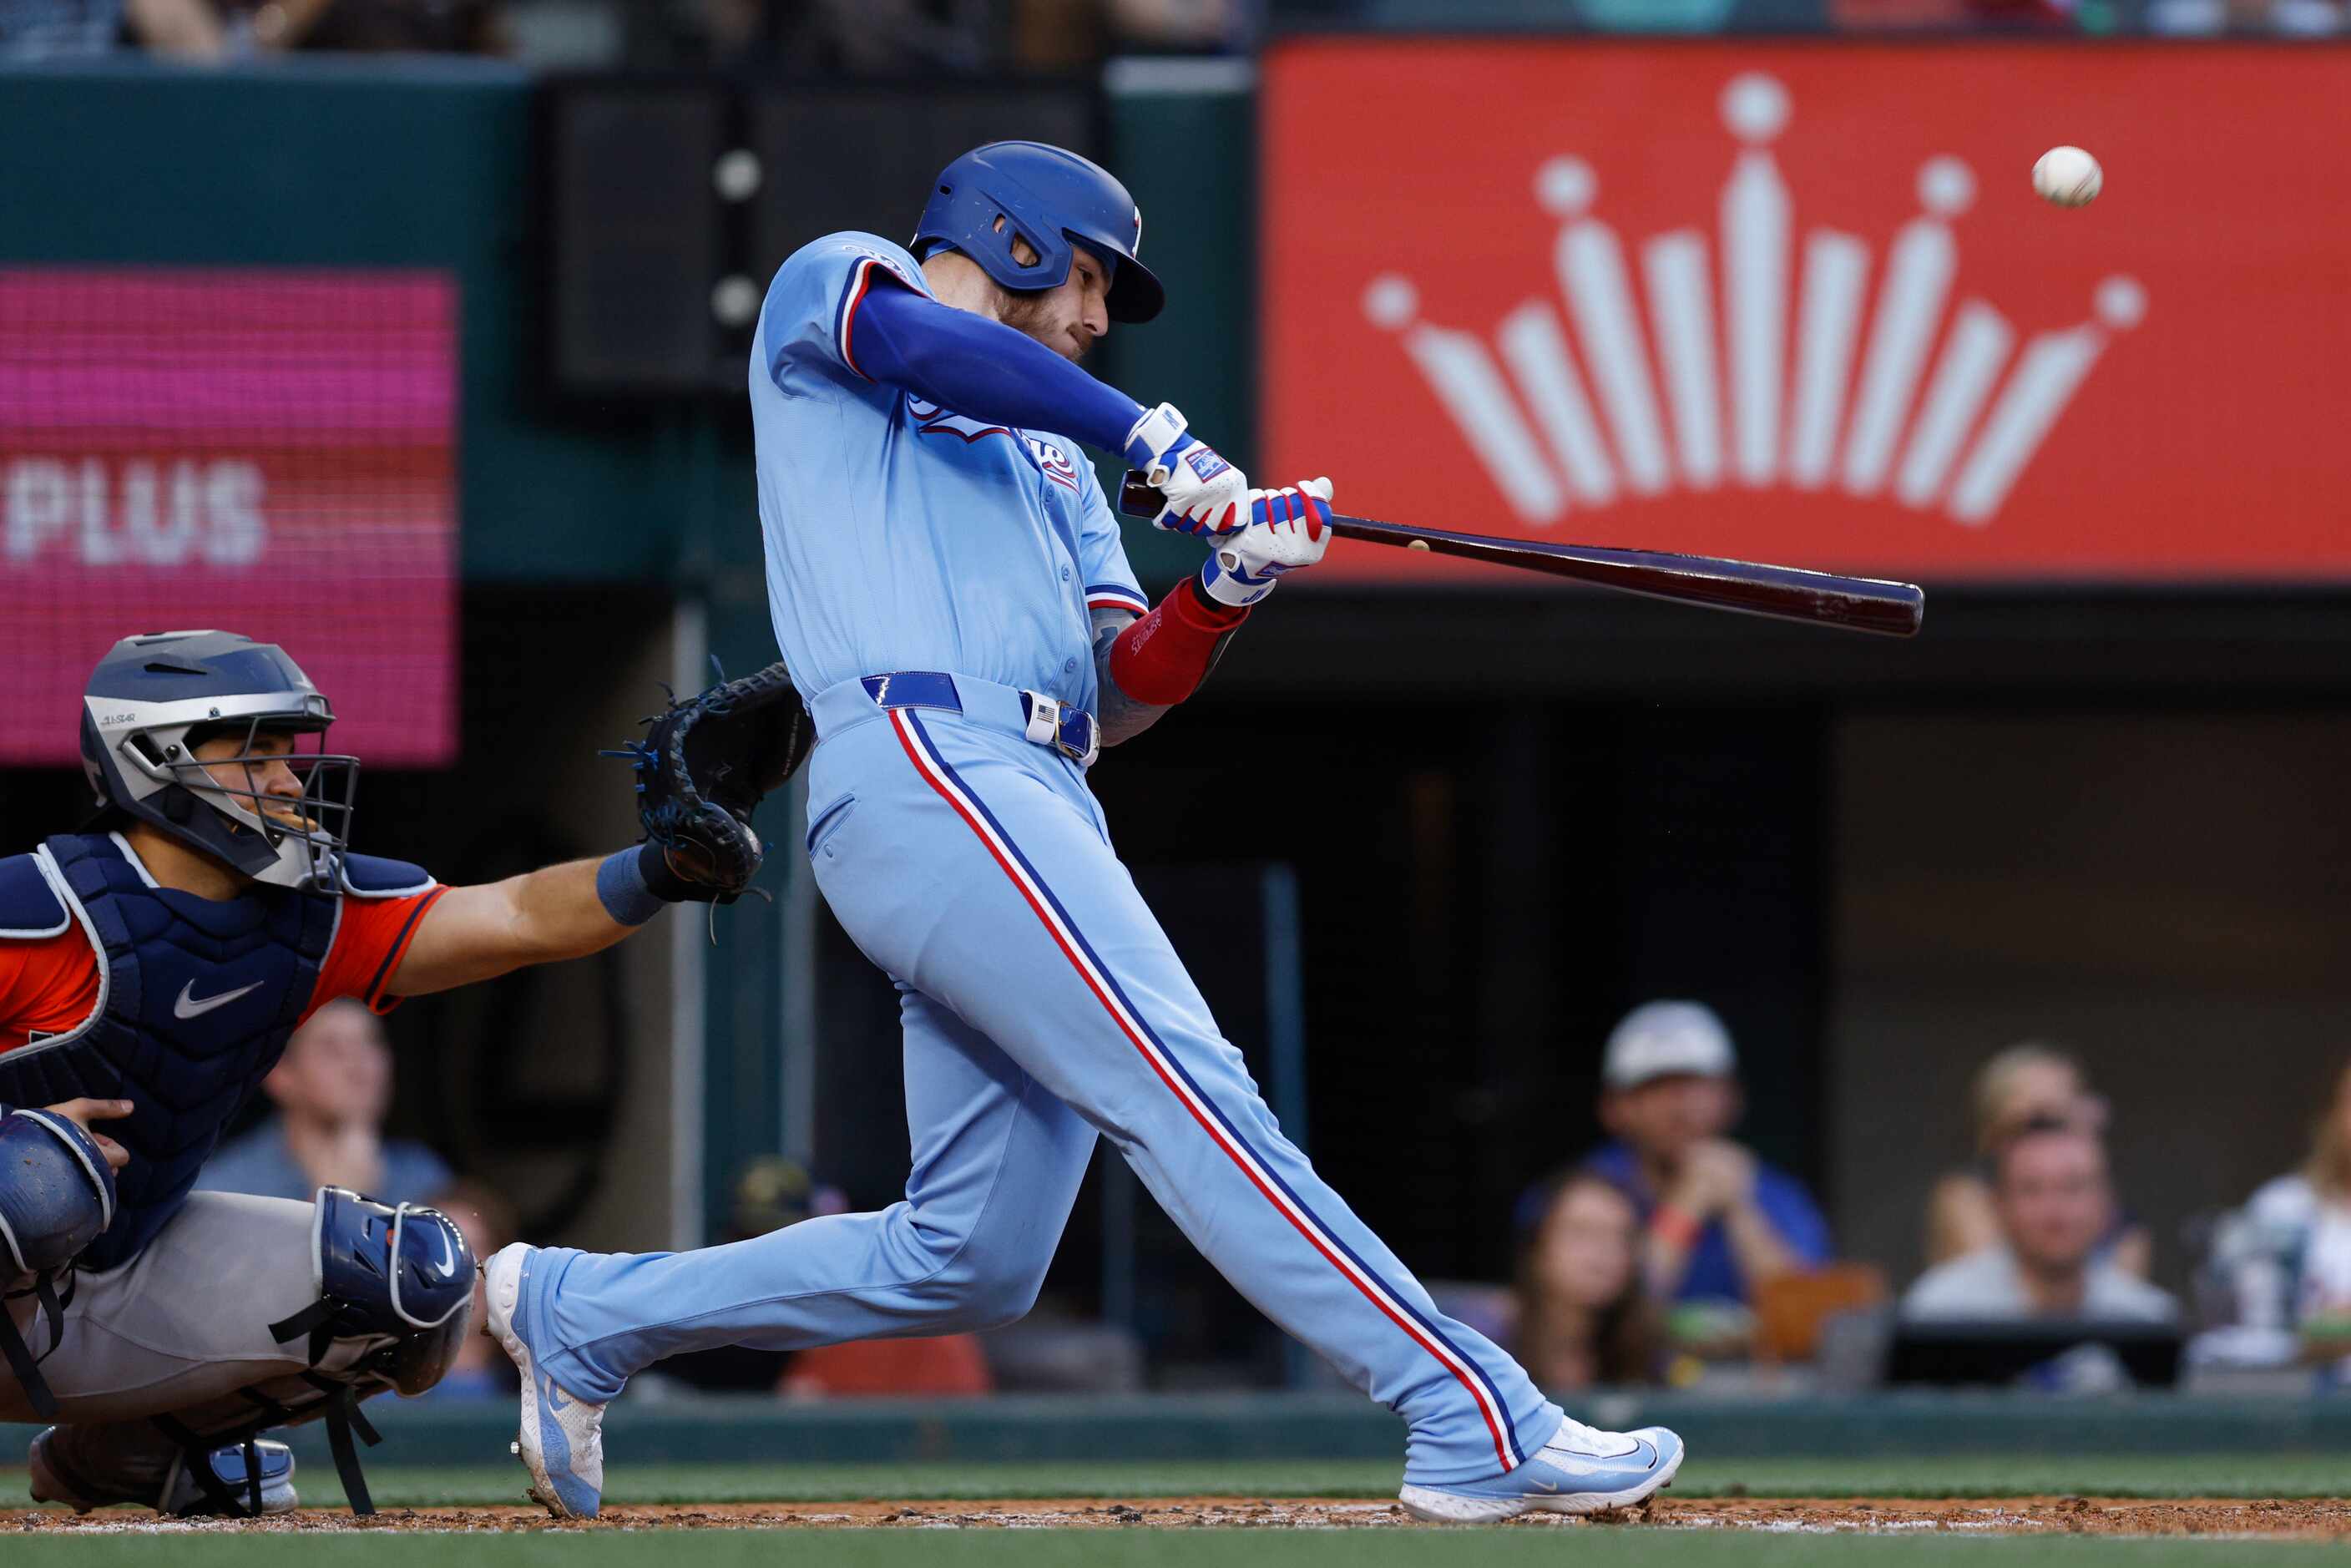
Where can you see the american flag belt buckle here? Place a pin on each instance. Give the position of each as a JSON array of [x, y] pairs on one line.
[[1072, 731]]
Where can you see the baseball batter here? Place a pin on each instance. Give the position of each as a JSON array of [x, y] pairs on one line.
[[152, 967], [950, 593]]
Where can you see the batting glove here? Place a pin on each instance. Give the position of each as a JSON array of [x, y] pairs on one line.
[[1206, 495], [1287, 529]]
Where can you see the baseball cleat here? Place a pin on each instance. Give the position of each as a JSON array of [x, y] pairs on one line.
[[179, 1495], [1579, 1471], [562, 1442]]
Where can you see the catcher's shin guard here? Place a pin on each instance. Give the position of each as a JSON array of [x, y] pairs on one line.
[[56, 1195], [395, 1299]]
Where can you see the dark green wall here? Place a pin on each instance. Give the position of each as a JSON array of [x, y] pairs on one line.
[[433, 164], [401, 166], [430, 164], [1183, 138]]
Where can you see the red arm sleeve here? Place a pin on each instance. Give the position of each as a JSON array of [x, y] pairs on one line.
[[368, 944], [1163, 658]]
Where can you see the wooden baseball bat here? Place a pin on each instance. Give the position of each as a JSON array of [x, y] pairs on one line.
[[1781, 592]]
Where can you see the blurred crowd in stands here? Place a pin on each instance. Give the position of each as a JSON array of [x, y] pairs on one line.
[[1669, 1254], [901, 38], [1673, 1247], [831, 40]]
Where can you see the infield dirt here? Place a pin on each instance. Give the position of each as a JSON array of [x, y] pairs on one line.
[[2305, 1519]]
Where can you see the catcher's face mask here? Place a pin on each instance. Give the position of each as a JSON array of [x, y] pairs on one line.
[[277, 784]]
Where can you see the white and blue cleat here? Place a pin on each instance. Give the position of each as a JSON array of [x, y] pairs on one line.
[[562, 1442], [1579, 1471]]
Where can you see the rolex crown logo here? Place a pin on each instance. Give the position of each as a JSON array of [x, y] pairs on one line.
[[1793, 378]]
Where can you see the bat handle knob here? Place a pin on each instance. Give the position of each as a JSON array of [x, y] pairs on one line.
[[1137, 497]]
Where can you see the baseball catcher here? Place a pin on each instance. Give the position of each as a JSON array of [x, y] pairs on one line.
[[151, 967]]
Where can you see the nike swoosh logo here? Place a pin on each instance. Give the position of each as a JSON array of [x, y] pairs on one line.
[[555, 1400], [1546, 1486], [1632, 1446], [189, 1007]]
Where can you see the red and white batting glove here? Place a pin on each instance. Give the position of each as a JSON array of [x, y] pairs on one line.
[[1287, 529], [1206, 496]]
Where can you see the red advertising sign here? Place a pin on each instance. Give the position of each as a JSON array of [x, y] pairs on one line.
[[268, 453], [1800, 303]]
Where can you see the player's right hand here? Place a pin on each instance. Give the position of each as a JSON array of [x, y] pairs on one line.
[[1289, 528], [83, 1112], [1205, 495]]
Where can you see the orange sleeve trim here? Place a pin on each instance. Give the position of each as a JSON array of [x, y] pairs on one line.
[[374, 999]]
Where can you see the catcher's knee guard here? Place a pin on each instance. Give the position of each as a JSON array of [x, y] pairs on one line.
[[395, 1297], [401, 1275], [57, 1197]]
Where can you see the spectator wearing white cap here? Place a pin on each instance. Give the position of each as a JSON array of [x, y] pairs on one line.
[[1716, 1220]]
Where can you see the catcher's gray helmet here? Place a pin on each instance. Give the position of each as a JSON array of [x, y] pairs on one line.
[[153, 699]]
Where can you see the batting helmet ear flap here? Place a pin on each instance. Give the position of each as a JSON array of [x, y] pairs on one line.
[[1024, 250]]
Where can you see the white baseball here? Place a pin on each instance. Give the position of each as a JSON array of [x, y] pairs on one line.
[[2067, 177]]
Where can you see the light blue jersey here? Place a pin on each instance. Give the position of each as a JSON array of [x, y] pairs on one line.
[[903, 537], [957, 842]]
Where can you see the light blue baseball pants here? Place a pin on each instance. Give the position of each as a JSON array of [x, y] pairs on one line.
[[1042, 1005]]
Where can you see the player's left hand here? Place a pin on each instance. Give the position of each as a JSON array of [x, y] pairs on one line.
[[1205, 495], [701, 771], [1287, 529], [81, 1112]]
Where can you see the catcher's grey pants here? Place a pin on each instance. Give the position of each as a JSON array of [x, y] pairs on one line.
[[177, 1330]]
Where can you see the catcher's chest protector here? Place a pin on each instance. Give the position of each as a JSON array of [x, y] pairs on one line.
[[196, 1002]]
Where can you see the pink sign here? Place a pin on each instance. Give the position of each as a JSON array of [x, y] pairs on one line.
[[268, 452]]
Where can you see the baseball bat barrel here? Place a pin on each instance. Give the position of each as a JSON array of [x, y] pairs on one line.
[[1781, 592]]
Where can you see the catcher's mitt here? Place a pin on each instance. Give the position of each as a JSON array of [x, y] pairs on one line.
[[702, 769]]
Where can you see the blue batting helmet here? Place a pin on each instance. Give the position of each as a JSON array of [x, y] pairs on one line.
[[152, 700], [1051, 198]]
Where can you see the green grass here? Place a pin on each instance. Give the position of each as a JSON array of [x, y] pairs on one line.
[[1146, 1549], [1975, 1475]]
